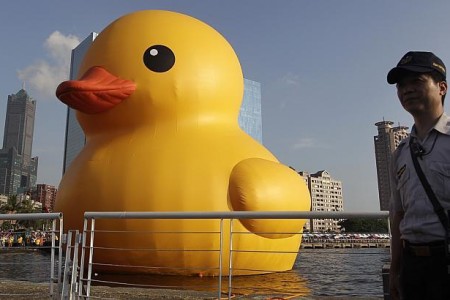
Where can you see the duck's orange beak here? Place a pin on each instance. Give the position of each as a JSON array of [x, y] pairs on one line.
[[96, 91]]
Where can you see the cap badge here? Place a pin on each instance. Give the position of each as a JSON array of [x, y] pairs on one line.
[[439, 67], [405, 60]]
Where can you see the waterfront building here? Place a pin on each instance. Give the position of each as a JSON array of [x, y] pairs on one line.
[[326, 195], [45, 194], [18, 169], [250, 116], [386, 142]]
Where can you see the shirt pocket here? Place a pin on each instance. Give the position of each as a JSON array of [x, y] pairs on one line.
[[440, 179]]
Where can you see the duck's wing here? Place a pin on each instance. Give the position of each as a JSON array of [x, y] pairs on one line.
[[261, 185]]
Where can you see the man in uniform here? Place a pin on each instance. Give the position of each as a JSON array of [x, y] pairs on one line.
[[418, 248]]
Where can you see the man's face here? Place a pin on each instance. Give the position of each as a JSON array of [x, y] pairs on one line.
[[418, 93]]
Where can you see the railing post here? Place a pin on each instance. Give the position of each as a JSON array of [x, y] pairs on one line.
[[230, 264], [220, 259], [52, 259], [91, 258], [75, 268], [83, 255], [65, 290], [60, 252]]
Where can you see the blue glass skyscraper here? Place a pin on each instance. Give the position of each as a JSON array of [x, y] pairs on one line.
[[250, 118], [75, 138]]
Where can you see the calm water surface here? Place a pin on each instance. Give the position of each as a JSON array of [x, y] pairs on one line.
[[343, 272], [317, 272], [27, 265]]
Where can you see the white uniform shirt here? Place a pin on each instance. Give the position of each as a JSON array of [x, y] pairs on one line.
[[420, 223]]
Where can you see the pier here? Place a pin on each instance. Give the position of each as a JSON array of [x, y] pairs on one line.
[[345, 240], [329, 244]]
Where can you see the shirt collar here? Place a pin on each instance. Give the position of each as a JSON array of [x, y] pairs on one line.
[[442, 125]]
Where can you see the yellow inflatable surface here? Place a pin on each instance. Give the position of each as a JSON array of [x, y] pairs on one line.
[[158, 98]]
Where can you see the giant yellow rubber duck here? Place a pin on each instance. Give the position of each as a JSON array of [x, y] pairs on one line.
[[158, 98]]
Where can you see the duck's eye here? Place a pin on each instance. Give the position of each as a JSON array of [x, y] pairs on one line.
[[159, 58]]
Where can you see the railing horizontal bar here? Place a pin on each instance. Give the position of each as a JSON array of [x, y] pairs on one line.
[[264, 251], [153, 232], [148, 249], [31, 216], [143, 285], [267, 232], [156, 267], [236, 215]]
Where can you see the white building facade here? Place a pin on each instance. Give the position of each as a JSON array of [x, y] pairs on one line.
[[326, 195]]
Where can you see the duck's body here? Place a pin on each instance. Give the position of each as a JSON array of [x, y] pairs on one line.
[[160, 173], [171, 142]]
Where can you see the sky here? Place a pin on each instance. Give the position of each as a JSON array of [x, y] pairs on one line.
[[322, 66]]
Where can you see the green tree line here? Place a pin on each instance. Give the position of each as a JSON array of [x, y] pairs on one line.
[[361, 225]]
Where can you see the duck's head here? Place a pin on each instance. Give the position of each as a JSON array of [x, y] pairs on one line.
[[155, 66]]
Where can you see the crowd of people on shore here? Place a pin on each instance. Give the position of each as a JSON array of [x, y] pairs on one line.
[[26, 238]]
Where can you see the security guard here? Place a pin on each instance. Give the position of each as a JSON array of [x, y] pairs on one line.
[[418, 251]]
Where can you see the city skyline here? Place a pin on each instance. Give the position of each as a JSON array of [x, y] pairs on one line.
[[322, 67]]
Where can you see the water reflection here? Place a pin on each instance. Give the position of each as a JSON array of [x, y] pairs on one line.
[[317, 272], [274, 283]]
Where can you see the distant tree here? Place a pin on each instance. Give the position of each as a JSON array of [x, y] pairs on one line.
[[11, 206], [24, 207], [361, 225]]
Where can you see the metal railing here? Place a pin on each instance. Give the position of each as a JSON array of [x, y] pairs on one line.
[[84, 272], [22, 239]]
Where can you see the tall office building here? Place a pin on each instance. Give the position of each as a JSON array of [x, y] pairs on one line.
[[18, 169], [386, 142], [250, 117], [326, 195]]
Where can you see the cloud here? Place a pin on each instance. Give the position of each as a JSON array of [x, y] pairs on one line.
[[45, 74], [304, 143], [290, 79], [284, 90]]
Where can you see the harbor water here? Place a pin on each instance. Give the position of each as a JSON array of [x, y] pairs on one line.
[[351, 272]]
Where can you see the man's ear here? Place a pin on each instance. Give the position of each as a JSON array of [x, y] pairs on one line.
[[443, 87]]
